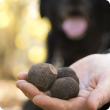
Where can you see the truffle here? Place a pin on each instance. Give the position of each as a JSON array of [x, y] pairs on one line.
[[42, 75], [67, 72], [64, 88]]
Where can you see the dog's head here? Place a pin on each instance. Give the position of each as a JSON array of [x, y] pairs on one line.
[[77, 18]]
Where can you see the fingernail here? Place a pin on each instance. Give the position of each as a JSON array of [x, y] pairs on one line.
[[27, 94], [17, 84], [98, 104], [19, 75], [37, 97], [21, 86]]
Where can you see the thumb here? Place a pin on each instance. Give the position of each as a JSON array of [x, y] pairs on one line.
[[98, 98]]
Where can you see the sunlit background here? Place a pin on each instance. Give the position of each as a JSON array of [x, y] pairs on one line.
[[22, 43]]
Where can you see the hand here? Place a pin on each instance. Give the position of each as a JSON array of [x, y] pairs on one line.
[[94, 76]]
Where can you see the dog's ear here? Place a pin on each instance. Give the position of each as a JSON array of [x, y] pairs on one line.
[[106, 7], [44, 7]]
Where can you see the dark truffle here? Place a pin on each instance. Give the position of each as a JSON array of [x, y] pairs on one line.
[[67, 72], [42, 76], [64, 88]]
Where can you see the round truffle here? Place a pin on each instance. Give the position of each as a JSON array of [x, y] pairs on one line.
[[67, 72], [64, 88], [42, 75]]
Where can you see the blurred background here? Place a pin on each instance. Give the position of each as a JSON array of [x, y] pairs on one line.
[[22, 43]]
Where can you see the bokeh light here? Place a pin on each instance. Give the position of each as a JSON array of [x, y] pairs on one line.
[[4, 17], [19, 68], [3, 4], [23, 36], [22, 41], [40, 28], [32, 7], [37, 54]]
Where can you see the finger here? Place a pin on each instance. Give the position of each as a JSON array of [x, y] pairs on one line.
[[22, 76], [48, 103], [78, 103], [19, 82], [29, 90], [99, 97]]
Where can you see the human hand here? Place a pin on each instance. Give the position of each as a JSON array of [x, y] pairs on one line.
[[94, 76]]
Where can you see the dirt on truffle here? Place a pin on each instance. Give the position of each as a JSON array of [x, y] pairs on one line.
[[67, 72], [42, 76], [64, 88]]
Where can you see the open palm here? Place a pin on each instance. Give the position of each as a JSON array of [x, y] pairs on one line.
[[94, 76]]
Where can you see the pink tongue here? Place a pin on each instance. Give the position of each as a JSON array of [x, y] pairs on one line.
[[74, 27]]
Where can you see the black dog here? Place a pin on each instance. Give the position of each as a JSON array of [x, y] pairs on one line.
[[79, 28]]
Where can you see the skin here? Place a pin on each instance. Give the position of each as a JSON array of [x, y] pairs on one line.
[[94, 76]]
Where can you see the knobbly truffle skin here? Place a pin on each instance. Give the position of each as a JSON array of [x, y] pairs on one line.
[[64, 88], [67, 72], [42, 75]]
